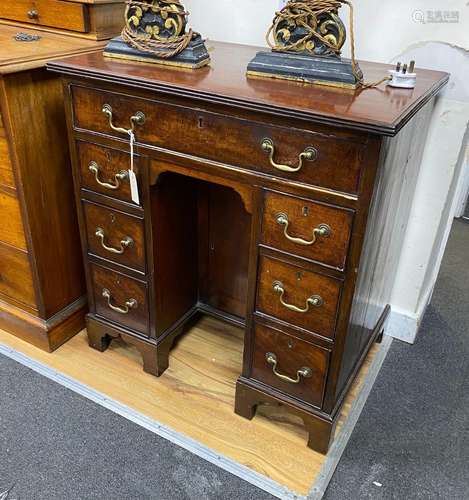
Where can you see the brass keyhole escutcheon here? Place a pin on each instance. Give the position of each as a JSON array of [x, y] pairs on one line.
[[299, 275], [306, 211], [112, 217]]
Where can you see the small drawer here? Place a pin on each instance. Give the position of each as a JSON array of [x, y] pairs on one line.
[[105, 171], [115, 236], [328, 160], [16, 280], [121, 299], [301, 298], [308, 229], [290, 365], [54, 13]]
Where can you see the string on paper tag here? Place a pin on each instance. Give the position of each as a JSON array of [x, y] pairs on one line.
[[132, 177]]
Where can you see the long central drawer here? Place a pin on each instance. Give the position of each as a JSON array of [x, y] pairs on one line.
[[313, 158]]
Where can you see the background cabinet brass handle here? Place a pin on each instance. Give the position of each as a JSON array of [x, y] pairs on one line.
[[137, 119], [309, 154], [321, 230], [93, 167], [314, 300], [130, 304], [304, 372], [125, 243], [33, 14]]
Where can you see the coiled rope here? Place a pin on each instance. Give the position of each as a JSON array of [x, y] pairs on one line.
[[165, 49], [305, 14]]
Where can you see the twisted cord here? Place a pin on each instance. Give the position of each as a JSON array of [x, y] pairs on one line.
[[305, 13], [163, 49]]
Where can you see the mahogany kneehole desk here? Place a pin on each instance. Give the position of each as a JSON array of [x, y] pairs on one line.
[[267, 203]]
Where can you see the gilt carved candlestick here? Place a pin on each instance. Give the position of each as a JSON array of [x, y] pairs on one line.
[[156, 31]]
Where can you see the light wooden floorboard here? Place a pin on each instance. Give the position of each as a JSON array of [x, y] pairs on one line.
[[195, 397]]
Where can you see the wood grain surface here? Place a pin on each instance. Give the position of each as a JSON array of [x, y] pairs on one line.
[[191, 130], [19, 56], [11, 224], [196, 397], [56, 13], [16, 281], [299, 285], [110, 162], [6, 169], [383, 111], [116, 227], [122, 289], [304, 216]]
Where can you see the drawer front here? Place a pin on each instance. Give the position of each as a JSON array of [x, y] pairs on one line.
[[311, 230], [301, 298], [289, 364], [54, 13], [115, 236], [334, 163], [121, 299], [6, 169], [105, 171], [16, 279], [11, 223]]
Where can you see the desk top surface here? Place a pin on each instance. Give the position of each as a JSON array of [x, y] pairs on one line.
[[383, 110], [19, 56]]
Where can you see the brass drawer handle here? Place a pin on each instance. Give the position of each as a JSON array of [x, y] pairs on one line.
[[137, 119], [309, 154], [130, 304], [313, 301], [125, 243], [93, 167], [33, 14], [322, 230], [304, 372]]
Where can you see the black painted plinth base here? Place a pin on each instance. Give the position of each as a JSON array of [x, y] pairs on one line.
[[304, 68], [194, 56]]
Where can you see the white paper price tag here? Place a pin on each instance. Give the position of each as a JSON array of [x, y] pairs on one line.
[[132, 177]]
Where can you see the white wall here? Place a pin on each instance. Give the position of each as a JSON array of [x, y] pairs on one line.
[[388, 32], [463, 195]]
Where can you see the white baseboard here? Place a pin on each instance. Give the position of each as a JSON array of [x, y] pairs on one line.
[[403, 325]]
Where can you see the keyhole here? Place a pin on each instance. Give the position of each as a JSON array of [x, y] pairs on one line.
[[118, 281], [108, 156], [201, 122], [290, 344], [113, 218], [299, 275], [305, 211]]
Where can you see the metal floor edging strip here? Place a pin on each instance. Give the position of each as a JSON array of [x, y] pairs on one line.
[[202, 451]]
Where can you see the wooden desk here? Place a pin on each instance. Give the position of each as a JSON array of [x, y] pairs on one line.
[[269, 204]]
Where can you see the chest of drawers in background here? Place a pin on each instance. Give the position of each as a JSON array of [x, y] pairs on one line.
[[91, 19], [272, 205], [42, 287]]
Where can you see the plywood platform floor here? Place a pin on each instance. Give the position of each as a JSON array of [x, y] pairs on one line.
[[195, 397]]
